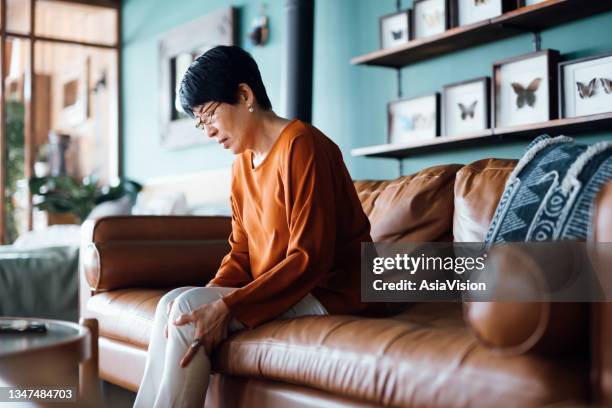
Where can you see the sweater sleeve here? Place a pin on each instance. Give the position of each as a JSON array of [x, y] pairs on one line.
[[309, 198], [234, 271]]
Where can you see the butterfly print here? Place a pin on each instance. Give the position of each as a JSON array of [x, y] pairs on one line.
[[421, 121], [526, 95], [406, 123], [467, 111], [397, 34], [433, 19], [586, 91], [607, 85]]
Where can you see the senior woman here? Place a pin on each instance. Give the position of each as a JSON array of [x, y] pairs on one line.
[[297, 225]]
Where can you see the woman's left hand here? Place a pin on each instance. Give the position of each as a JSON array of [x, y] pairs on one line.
[[211, 322]]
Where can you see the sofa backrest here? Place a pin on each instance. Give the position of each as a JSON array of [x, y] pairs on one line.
[[478, 189], [418, 207]]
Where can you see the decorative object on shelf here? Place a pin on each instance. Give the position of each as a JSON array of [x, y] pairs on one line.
[[260, 29], [395, 29], [61, 155], [585, 86], [430, 17], [177, 49], [466, 107], [413, 118], [464, 12], [548, 14], [524, 89], [62, 194]]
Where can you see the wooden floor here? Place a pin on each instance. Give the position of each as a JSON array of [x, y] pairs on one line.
[[117, 397]]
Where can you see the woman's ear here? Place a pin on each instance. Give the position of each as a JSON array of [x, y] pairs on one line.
[[245, 94]]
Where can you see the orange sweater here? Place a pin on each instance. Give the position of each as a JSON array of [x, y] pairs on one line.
[[297, 225]]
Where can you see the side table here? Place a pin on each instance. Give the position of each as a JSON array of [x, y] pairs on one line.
[[65, 356]]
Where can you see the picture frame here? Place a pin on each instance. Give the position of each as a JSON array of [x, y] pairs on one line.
[[395, 29], [527, 3], [466, 12], [585, 86], [524, 89], [466, 107], [414, 118], [177, 48], [430, 17], [72, 88]]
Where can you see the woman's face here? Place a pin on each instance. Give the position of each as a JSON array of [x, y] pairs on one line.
[[228, 124]]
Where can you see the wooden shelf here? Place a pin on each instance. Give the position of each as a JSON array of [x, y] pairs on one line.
[[525, 19], [568, 126]]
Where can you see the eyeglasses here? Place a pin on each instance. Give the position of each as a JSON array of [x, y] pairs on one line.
[[205, 119]]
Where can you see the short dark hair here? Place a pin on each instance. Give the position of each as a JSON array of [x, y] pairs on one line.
[[215, 75]]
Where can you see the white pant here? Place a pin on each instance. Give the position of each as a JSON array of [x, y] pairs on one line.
[[165, 383]]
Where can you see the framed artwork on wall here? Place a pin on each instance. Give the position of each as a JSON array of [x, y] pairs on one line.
[[464, 12], [73, 91], [395, 29], [177, 49], [412, 119], [524, 89], [429, 17], [585, 86], [466, 107], [524, 3]]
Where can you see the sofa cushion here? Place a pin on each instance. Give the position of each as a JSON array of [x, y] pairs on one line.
[[478, 188], [550, 194], [418, 207], [126, 314], [424, 357]]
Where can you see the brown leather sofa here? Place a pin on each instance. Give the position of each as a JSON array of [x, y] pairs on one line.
[[424, 356]]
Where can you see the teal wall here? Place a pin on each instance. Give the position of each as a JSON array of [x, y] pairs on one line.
[[349, 102], [144, 21]]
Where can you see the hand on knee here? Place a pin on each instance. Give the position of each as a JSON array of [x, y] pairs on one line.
[[211, 323]]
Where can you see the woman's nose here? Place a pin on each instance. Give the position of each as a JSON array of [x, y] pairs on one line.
[[211, 131]]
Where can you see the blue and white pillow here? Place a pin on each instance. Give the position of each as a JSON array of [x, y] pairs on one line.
[[550, 194]]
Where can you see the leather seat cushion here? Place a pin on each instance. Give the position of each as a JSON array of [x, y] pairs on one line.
[[425, 357], [126, 314]]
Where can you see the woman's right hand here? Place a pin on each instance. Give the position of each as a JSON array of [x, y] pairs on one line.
[[168, 314]]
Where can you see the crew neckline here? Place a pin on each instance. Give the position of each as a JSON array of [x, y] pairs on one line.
[[276, 142]]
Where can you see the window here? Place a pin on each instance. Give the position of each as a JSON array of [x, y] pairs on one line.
[[59, 101]]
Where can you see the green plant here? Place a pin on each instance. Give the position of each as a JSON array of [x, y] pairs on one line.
[[14, 163], [63, 194]]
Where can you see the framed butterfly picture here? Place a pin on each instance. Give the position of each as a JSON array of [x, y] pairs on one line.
[[466, 107], [430, 17], [524, 89], [465, 12], [411, 119], [585, 86], [395, 29]]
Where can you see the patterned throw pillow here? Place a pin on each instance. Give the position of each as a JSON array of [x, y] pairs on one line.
[[550, 194]]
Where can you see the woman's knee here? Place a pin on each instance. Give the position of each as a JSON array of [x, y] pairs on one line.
[[193, 298], [164, 302]]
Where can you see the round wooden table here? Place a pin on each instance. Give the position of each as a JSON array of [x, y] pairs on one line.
[[64, 357]]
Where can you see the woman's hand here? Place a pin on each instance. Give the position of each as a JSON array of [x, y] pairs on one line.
[[211, 322]]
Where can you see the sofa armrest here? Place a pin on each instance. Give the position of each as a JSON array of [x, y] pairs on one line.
[[152, 251], [601, 319]]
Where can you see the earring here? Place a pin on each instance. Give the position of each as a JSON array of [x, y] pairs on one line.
[[251, 109]]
